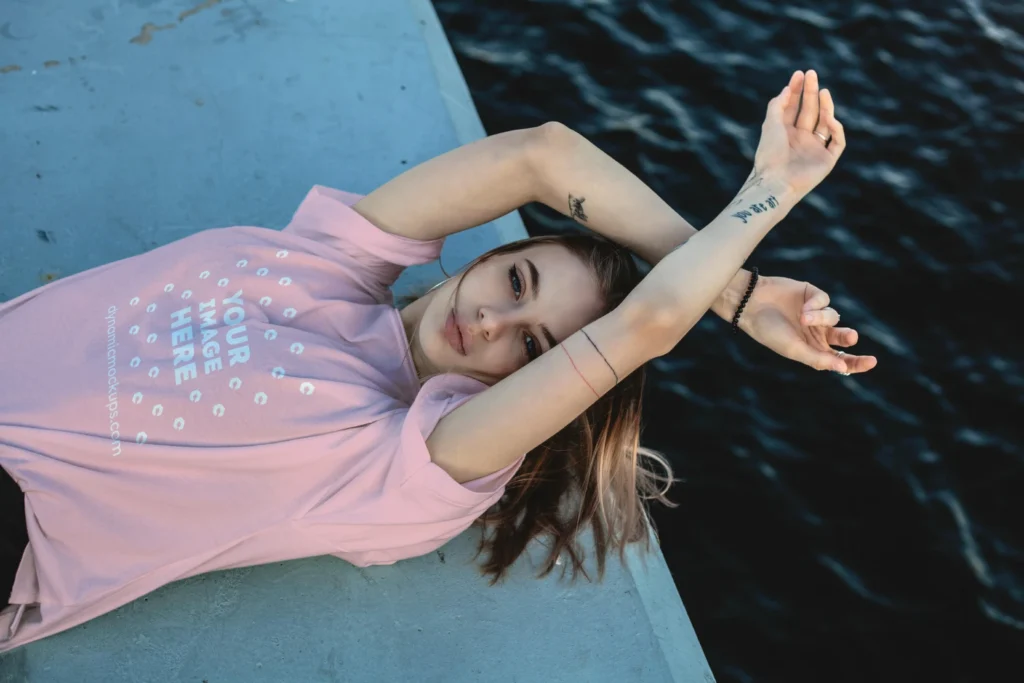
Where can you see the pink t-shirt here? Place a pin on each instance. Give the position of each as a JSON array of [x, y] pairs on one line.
[[240, 396]]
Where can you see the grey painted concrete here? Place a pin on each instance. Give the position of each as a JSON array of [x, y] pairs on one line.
[[228, 118]]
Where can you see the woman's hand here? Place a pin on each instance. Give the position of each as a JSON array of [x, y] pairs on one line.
[[794, 320], [801, 140]]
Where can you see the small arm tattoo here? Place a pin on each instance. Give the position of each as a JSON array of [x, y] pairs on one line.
[[757, 207], [753, 180], [576, 208]]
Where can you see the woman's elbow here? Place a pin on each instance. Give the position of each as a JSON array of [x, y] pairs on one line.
[[546, 143]]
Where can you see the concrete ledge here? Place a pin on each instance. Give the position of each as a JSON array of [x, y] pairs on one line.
[[226, 116]]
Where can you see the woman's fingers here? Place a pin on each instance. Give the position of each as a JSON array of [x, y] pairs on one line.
[[829, 121], [807, 119], [855, 364], [824, 360], [814, 298], [826, 316], [841, 336], [776, 107], [836, 362], [796, 84]]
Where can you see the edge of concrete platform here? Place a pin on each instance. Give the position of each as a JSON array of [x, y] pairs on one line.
[[654, 584]]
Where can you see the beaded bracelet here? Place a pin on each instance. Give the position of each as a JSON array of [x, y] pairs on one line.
[[746, 297]]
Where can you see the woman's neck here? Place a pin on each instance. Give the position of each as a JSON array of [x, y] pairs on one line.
[[412, 317]]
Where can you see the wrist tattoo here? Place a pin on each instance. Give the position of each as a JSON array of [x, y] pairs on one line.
[[576, 208], [757, 207], [753, 180]]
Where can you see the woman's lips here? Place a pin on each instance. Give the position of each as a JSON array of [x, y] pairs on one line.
[[453, 334]]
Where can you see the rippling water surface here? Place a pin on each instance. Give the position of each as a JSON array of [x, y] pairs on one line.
[[830, 529]]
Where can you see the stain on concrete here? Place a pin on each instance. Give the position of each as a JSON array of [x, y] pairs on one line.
[[146, 34], [241, 20], [5, 31], [198, 8], [50, 63], [9, 68], [46, 107], [199, 103], [49, 277], [46, 236]]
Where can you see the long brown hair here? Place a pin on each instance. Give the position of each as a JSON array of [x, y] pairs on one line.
[[594, 471]]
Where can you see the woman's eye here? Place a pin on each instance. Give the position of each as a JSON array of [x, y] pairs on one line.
[[517, 287], [531, 347]]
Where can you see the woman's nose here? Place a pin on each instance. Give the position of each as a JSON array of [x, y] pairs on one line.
[[493, 321]]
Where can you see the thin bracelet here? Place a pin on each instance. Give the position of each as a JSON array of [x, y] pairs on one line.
[[600, 354], [578, 370], [746, 297]]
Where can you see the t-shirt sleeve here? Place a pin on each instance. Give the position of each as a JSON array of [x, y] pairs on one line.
[[326, 216], [437, 507], [438, 397]]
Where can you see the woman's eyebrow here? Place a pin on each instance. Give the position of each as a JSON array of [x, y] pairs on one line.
[[534, 279], [535, 288]]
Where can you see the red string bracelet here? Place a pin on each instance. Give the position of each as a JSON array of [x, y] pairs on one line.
[[578, 370]]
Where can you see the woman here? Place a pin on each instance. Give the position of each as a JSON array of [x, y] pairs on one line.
[[247, 395]]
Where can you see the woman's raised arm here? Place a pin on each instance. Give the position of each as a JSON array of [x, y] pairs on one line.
[[523, 410], [488, 178]]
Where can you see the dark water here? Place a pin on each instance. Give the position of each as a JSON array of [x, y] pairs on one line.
[[865, 528]]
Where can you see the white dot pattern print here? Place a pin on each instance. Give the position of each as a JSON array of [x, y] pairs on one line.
[[202, 331], [227, 318]]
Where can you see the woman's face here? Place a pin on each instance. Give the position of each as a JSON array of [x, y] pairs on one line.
[[509, 310]]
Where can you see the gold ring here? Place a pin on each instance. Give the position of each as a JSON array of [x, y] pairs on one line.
[[824, 138]]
